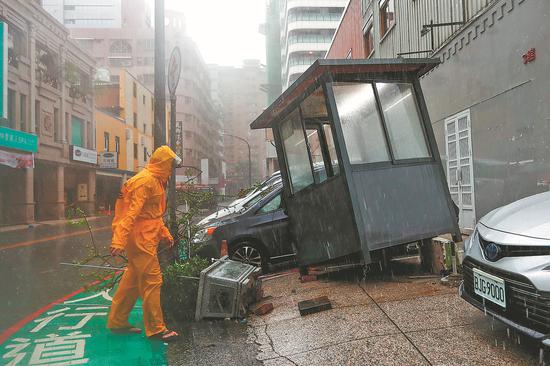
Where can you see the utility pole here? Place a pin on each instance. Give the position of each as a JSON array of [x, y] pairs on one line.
[[174, 71], [172, 187], [249, 157], [160, 76]]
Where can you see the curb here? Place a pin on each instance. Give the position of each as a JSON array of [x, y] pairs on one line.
[[34, 225]]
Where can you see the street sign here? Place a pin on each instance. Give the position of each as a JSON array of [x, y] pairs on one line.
[[18, 140], [108, 160], [4, 70], [174, 70]]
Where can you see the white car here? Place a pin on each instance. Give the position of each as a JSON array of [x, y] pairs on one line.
[[506, 266]]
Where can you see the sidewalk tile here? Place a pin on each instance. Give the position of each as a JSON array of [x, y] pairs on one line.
[[279, 361], [472, 344], [286, 308], [327, 328], [376, 351], [430, 312], [405, 290]]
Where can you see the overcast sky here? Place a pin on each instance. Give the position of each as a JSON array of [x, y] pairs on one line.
[[226, 31]]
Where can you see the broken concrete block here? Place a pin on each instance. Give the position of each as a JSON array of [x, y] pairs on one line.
[[264, 309], [314, 305]]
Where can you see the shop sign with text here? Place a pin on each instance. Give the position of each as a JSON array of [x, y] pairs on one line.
[[83, 155], [18, 140], [108, 160]]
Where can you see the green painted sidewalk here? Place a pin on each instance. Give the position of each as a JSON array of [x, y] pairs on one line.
[[73, 332]]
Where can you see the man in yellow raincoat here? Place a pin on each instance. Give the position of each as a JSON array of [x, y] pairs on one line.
[[137, 229]]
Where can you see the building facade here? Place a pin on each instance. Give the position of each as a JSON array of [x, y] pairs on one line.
[[242, 100], [130, 45], [348, 41], [118, 33], [125, 115], [197, 113], [85, 13], [49, 96], [488, 99], [307, 28], [131, 102], [274, 85], [112, 164]]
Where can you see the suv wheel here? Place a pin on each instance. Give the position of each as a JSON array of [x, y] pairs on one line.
[[249, 253]]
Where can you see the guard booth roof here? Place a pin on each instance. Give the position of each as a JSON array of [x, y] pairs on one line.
[[359, 162], [416, 66]]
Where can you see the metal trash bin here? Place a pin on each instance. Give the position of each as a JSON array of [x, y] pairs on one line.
[[226, 288]]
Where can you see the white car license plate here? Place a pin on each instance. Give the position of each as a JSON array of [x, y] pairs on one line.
[[490, 287]]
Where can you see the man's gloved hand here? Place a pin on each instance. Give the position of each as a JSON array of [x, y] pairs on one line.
[[116, 251]]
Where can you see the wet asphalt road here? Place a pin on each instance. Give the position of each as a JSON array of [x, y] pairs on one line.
[[29, 265]]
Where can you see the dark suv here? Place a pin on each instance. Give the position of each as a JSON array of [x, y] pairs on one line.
[[258, 234]]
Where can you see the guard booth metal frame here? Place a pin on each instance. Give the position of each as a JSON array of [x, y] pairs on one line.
[[360, 166]]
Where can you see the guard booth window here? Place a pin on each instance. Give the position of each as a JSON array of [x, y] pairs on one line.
[[308, 143], [361, 123], [331, 147], [402, 121], [294, 143], [319, 136], [314, 143]]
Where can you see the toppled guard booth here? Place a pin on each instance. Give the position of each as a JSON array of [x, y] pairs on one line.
[[359, 160]]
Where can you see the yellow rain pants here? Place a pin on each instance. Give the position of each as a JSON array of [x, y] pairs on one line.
[[138, 228]]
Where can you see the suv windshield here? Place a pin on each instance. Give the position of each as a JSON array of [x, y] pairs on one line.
[[252, 202]]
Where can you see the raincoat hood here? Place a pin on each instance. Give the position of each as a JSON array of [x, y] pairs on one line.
[[161, 163]]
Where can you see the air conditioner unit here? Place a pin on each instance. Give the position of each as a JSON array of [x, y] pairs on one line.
[[128, 134], [142, 140], [226, 289]]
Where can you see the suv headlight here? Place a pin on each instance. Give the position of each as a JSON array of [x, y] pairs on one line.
[[468, 243], [204, 234]]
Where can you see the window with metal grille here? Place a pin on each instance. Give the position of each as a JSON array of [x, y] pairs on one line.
[[387, 16]]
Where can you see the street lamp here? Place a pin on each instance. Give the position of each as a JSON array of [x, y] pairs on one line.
[[249, 159]]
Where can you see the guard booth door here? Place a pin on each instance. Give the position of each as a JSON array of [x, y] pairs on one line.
[[460, 176]]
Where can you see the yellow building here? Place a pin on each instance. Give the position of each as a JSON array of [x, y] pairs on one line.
[[112, 170], [137, 108], [124, 129], [111, 136]]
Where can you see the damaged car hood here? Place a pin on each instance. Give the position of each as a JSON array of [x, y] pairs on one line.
[[528, 217]]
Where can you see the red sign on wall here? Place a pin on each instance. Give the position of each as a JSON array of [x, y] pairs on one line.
[[529, 56]]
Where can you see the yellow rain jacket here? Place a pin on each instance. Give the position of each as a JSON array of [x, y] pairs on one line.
[[138, 228]]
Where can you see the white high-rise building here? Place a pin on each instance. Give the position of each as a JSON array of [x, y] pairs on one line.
[[307, 28], [86, 13]]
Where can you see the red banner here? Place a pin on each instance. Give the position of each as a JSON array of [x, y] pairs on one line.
[[15, 160]]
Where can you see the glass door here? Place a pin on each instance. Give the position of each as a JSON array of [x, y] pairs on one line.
[[458, 143]]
